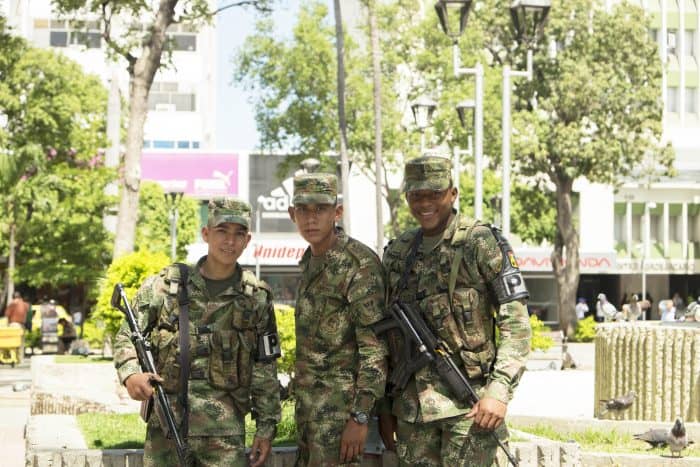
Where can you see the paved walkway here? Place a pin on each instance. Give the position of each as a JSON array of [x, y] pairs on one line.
[[14, 411]]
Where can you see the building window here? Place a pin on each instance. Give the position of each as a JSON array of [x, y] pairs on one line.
[[672, 99], [167, 97], [160, 144], [689, 36], [64, 33], [691, 96], [671, 41], [195, 144], [654, 34], [182, 38], [146, 144], [183, 144]]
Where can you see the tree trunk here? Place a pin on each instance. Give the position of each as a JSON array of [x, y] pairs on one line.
[[11, 262], [342, 122], [565, 256], [141, 73], [377, 97]]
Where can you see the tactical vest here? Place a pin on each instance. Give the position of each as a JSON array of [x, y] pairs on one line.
[[448, 288], [222, 344]]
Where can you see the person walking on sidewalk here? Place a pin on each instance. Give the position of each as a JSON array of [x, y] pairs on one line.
[[340, 362], [463, 278], [232, 347]]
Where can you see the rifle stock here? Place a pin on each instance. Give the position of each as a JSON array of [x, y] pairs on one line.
[[143, 352], [421, 348]]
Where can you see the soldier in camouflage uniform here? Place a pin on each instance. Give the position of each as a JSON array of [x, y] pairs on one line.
[[340, 363], [230, 319], [457, 282]]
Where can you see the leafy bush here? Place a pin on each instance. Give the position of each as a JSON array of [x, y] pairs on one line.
[[94, 333], [541, 340], [131, 270], [585, 330], [285, 328]]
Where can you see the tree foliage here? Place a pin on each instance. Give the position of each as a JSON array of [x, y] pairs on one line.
[[129, 270], [51, 178], [597, 115]]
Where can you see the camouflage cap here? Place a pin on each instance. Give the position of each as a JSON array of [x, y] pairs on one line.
[[315, 188], [427, 173], [233, 210]]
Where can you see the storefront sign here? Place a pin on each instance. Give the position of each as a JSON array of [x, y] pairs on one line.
[[269, 195], [263, 251], [539, 260], [200, 175], [656, 266]]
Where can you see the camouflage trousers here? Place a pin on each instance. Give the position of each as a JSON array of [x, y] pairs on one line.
[[205, 450], [318, 444], [450, 442]]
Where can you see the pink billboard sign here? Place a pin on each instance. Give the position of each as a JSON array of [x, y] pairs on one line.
[[200, 175]]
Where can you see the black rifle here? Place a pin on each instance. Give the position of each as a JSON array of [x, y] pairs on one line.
[[421, 348], [143, 351]]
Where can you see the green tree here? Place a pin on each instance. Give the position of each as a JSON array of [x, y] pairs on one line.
[[153, 229], [598, 115], [146, 47], [296, 106], [52, 124]]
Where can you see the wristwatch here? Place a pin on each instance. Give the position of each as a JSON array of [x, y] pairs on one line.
[[360, 417]]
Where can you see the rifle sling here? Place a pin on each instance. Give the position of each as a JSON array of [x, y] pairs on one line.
[[184, 335], [410, 261]]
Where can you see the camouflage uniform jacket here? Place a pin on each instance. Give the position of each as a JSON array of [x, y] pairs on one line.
[[466, 325], [340, 363], [225, 377]]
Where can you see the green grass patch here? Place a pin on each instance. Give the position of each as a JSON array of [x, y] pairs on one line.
[[112, 431], [593, 440], [82, 359], [128, 431]]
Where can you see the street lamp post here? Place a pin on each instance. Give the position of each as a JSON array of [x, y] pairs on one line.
[[464, 109], [174, 198], [423, 109], [528, 18], [454, 25]]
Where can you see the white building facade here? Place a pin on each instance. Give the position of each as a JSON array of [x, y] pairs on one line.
[[182, 103]]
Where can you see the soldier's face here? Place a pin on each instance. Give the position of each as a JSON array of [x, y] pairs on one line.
[[226, 242], [431, 209], [316, 222]]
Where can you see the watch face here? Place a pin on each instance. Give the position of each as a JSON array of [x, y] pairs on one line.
[[360, 417]]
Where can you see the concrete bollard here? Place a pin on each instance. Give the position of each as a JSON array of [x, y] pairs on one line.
[[659, 361]]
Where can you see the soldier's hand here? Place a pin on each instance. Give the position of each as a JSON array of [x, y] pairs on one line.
[[259, 451], [387, 430], [139, 385], [352, 443], [488, 413]]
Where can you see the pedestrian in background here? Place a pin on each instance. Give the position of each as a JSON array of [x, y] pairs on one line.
[[581, 308], [68, 335], [340, 362], [234, 346], [449, 268], [16, 311]]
